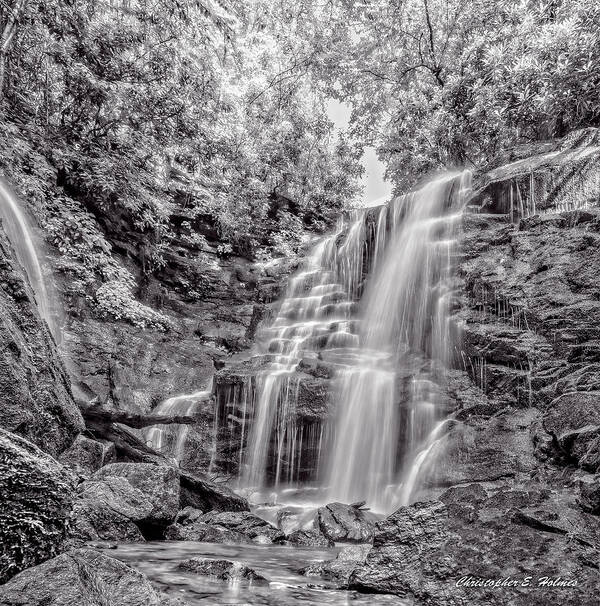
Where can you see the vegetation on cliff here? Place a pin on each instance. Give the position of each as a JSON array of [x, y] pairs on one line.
[[140, 120], [118, 116]]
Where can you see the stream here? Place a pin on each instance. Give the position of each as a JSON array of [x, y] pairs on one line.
[[279, 564]]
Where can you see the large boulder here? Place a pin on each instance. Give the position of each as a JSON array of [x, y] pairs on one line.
[[127, 502], [35, 397], [109, 510], [82, 577], [340, 522], [202, 493], [159, 483], [36, 497], [434, 554]]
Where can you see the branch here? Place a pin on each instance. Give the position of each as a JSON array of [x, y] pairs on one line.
[[98, 416]]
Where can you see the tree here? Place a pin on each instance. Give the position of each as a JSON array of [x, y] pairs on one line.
[[10, 15]]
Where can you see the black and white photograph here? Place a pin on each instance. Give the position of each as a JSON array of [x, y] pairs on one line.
[[299, 302]]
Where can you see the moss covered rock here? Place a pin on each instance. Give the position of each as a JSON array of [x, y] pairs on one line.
[[36, 498]]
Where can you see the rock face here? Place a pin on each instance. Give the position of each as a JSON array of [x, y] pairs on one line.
[[436, 554], [36, 496], [531, 300], [235, 391], [339, 522], [35, 397], [224, 570], [214, 303], [82, 577]]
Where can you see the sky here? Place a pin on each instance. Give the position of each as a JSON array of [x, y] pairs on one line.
[[377, 189]]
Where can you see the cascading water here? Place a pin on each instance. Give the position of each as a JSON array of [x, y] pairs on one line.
[[171, 439], [405, 336], [315, 317], [20, 232], [388, 359]]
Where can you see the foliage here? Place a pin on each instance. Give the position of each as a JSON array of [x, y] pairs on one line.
[[453, 82], [114, 298], [139, 111]]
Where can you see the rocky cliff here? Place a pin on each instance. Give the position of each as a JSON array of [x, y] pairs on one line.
[[35, 394]]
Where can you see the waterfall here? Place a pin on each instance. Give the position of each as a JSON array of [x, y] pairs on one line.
[[171, 439], [315, 317], [372, 304], [406, 336], [20, 232]]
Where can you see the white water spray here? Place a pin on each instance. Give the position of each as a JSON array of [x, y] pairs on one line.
[[20, 232], [405, 332], [171, 439]]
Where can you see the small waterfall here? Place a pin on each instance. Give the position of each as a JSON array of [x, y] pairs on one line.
[[387, 402], [171, 439], [315, 317], [20, 232]]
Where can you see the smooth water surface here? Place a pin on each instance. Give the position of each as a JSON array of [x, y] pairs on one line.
[[279, 564]]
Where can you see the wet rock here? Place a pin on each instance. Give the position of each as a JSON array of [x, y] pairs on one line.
[[224, 570], [36, 497], [464, 501], [134, 369], [572, 411], [483, 449], [188, 515], [589, 497], [84, 456], [312, 570], [158, 483], [205, 533], [309, 538], [421, 552], [245, 523], [348, 559], [35, 397], [398, 562], [201, 493], [81, 577], [109, 510], [345, 523]]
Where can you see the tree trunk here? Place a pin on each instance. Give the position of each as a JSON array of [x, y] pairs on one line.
[[9, 27], [100, 416]]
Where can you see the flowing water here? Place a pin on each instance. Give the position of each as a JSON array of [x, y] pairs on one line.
[[278, 564], [380, 428], [21, 233], [171, 439], [315, 317], [373, 303]]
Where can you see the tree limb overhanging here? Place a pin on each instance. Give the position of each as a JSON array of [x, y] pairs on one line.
[[101, 416]]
